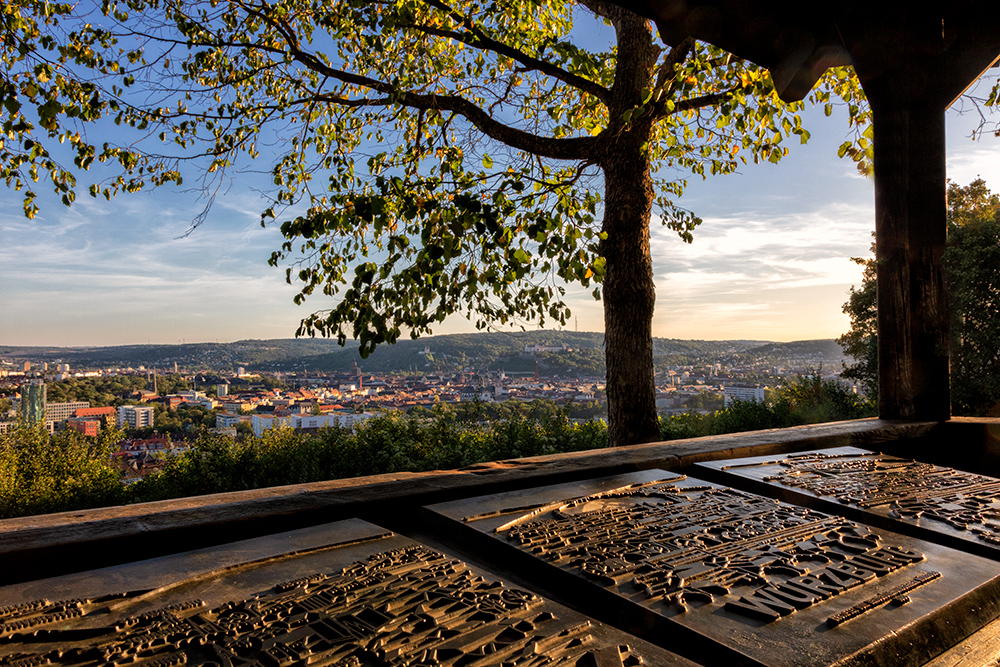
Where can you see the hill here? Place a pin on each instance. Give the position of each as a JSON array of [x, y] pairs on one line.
[[451, 352]]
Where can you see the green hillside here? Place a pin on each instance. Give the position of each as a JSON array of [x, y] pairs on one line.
[[447, 353]]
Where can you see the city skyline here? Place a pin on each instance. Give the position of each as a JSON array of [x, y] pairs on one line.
[[770, 262]]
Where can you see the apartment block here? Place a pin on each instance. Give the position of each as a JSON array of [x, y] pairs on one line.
[[136, 416], [738, 392]]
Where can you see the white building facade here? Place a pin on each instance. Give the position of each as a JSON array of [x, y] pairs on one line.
[[742, 392], [136, 416], [344, 420]]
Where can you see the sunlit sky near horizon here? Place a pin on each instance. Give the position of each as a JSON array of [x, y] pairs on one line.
[[771, 260]]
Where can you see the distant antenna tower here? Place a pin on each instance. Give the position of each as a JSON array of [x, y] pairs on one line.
[[576, 319]]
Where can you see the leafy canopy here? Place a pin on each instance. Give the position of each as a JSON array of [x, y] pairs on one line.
[[58, 74], [432, 158], [972, 274], [861, 340]]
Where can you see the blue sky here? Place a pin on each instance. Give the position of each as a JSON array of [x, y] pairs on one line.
[[771, 260]]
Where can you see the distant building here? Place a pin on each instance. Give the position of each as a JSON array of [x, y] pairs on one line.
[[236, 406], [89, 427], [35, 408], [471, 393], [56, 414], [205, 402], [226, 420], [344, 420], [157, 443], [742, 392], [534, 349], [190, 394], [136, 416], [261, 423], [108, 415], [33, 401]]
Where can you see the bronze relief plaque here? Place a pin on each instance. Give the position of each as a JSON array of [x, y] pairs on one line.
[[346, 594], [953, 507], [740, 577]]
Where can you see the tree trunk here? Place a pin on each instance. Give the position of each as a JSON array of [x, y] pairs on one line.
[[629, 294], [629, 297]]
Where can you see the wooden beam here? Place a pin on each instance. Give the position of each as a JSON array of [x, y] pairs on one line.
[[906, 85], [912, 64], [910, 236]]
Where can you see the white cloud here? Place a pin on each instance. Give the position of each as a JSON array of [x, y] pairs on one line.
[[755, 275], [121, 271], [983, 161]]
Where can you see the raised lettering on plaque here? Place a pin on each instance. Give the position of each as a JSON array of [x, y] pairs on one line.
[[685, 545], [409, 605], [721, 562], [944, 500]]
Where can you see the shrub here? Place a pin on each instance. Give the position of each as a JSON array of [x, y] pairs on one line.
[[40, 473], [805, 400]]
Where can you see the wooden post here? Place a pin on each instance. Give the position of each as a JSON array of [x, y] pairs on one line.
[[910, 236]]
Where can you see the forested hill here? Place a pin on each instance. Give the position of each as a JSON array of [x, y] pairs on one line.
[[445, 353], [585, 353]]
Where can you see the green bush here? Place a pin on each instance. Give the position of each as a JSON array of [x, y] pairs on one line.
[[805, 400], [41, 473], [392, 442]]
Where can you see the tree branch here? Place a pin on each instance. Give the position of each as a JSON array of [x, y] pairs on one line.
[[602, 9], [580, 148], [476, 39], [703, 101], [676, 56]]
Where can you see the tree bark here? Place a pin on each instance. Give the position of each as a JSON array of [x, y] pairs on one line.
[[629, 297], [629, 293]]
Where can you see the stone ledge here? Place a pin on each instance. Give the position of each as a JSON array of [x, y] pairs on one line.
[[39, 545]]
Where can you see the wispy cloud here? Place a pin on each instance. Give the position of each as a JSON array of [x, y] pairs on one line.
[[742, 272], [982, 161], [124, 271]]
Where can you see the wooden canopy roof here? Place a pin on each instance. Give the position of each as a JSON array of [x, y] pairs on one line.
[[953, 42]]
